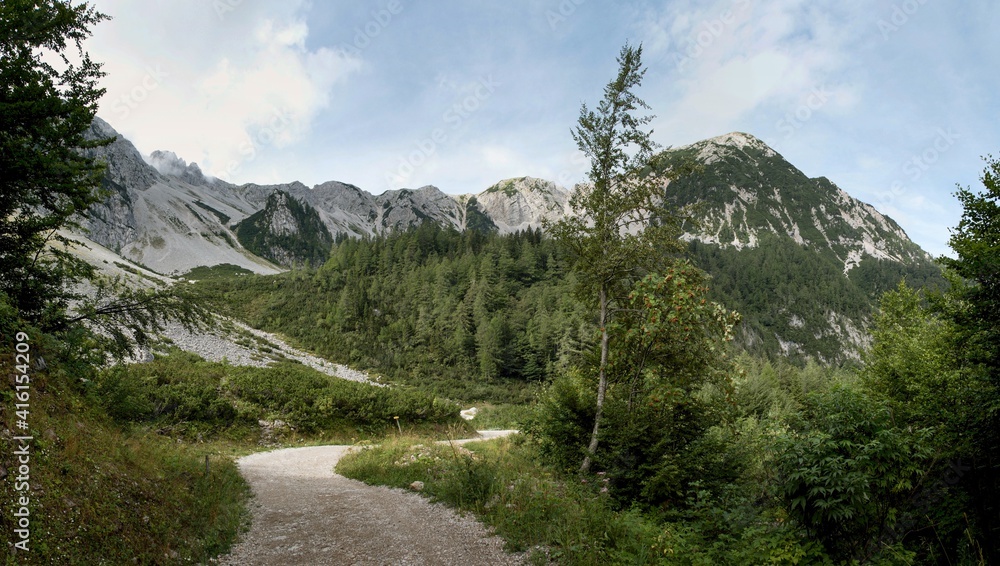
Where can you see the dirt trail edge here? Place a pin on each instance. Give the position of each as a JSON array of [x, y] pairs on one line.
[[304, 513]]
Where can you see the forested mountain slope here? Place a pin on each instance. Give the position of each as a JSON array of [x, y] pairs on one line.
[[465, 314], [800, 259]]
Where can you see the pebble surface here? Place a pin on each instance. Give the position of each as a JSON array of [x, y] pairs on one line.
[[304, 513]]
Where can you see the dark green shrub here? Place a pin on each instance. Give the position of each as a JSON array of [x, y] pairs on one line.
[[563, 420], [183, 390], [848, 476]]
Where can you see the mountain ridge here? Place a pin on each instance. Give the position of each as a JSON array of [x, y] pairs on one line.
[[739, 170], [753, 215], [735, 212]]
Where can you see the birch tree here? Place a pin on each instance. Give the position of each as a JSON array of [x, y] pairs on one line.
[[619, 230]]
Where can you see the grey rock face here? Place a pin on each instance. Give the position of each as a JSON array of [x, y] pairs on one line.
[[165, 213], [403, 208], [112, 222], [173, 218], [747, 190], [167, 163], [521, 203], [164, 221]]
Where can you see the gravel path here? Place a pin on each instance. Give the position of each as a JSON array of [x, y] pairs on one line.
[[303, 513]]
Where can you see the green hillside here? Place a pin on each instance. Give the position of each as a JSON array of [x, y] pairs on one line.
[[801, 260]]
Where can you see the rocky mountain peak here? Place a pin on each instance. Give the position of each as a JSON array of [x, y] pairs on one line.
[[168, 163], [757, 215], [522, 202], [733, 144], [125, 166], [747, 191]]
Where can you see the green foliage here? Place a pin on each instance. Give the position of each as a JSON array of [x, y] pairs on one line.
[[669, 349], [976, 242], [789, 290], [563, 420], [783, 241], [619, 228], [468, 315], [567, 520], [672, 347], [848, 474], [126, 317], [973, 305], [219, 271], [776, 391], [476, 219], [915, 367], [502, 482], [878, 276], [188, 395], [735, 531], [45, 110], [911, 366], [668, 325], [100, 494], [502, 417]]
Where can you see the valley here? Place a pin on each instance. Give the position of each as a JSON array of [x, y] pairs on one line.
[[693, 355], [746, 210]]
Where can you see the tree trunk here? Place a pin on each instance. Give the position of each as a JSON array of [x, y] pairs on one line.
[[602, 382]]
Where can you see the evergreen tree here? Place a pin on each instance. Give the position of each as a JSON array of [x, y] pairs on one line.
[[46, 105]]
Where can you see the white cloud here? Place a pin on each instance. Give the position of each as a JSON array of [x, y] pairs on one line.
[[731, 60], [216, 87]]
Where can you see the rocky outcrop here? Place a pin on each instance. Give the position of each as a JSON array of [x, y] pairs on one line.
[[168, 215], [522, 203], [286, 231], [400, 209], [163, 221], [167, 163], [746, 190]]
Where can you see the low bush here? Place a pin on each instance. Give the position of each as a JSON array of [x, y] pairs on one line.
[[191, 397], [101, 495]]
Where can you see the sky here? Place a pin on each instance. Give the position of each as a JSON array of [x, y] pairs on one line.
[[895, 101]]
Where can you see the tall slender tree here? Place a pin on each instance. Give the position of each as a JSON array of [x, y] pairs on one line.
[[619, 229]]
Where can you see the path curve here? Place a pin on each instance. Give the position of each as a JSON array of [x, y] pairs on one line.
[[304, 513]]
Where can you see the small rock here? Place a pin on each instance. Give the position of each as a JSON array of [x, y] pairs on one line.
[[469, 414], [417, 486]]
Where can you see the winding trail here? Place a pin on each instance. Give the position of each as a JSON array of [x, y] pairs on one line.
[[304, 513]]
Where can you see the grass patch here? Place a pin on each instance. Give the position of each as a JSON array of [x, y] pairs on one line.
[[502, 416], [118, 473], [529, 505], [216, 272], [571, 519], [101, 495]]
